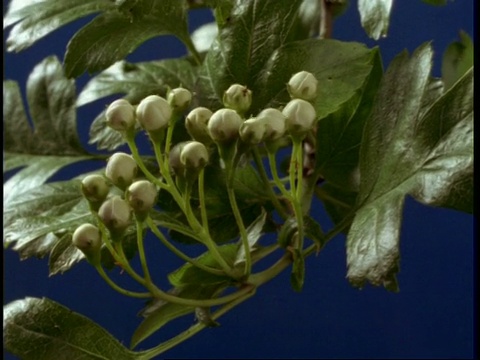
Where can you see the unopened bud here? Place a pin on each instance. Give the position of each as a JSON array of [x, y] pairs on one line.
[[303, 85], [223, 126], [179, 99], [121, 169], [120, 115], [301, 117], [252, 131], [95, 188], [274, 122], [142, 196], [196, 124], [194, 155], [88, 239], [238, 98], [115, 213], [153, 113]]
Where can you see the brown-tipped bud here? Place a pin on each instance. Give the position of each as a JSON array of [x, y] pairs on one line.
[[237, 97], [142, 196], [301, 117], [179, 99], [274, 122], [303, 85], [95, 188], [88, 239], [153, 113], [196, 124], [121, 170], [194, 155], [224, 125], [115, 213], [120, 115]]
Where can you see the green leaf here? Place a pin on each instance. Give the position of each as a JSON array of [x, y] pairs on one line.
[[428, 156], [375, 17], [113, 35], [159, 313], [341, 69], [34, 218], [254, 30], [254, 232], [53, 142], [339, 134], [457, 59], [137, 81], [189, 274], [36, 19], [41, 329]]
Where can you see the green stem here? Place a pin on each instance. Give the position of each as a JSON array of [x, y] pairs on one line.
[[121, 290], [278, 182], [141, 252], [141, 164], [201, 197], [167, 345], [271, 194], [192, 220], [296, 189], [238, 217], [193, 50], [179, 253]]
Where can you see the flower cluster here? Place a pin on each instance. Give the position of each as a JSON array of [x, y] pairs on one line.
[[228, 129]]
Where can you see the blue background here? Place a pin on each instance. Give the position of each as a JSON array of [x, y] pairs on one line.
[[431, 317]]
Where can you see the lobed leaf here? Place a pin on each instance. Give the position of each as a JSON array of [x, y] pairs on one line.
[[53, 141], [406, 150], [41, 329], [113, 35], [36, 19], [254, 232]]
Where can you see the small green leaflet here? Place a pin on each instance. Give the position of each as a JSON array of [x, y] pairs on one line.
[[375, 16], [409, 150], [457, 59], [41, 329]]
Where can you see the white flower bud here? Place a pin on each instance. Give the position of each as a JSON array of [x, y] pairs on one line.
[[303, 85], [179, 98], [142, 195], [196, 124], [87, 239], [120, 115], [153, 113], [121, 169], [95, 188], [300, 115], [115, 213], [238, 98], [274, 122], [194, 155], [223, 126], [252, 131]]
